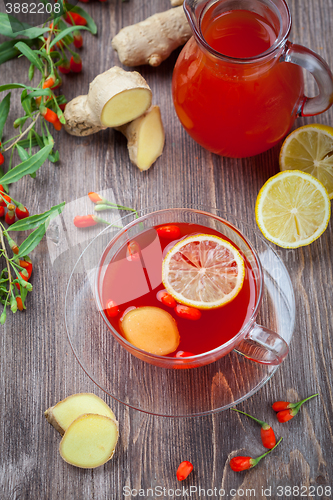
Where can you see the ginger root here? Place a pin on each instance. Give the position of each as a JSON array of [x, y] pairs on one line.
[[174, 3], [152, 41], [89, 441], [115, 97], [145, 138], [66, 411]]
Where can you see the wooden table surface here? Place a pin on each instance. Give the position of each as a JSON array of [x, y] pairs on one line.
[[38, 367]]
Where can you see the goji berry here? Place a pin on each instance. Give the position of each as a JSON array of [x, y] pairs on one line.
[[287, 411], [78, 40], [187, 312], [95, 197], [2, 159], [133, 251], [184, 469], [12, 244], [57, 125], [3, 199], [241, 463], [57, 84], [74, 18], [184, 354], [24, 276], [166, 298], [49, 82], [85, 221], [21, 212], [64, 67], [76, 63], [112, 310], [27, 264], [169, 232], [2, 211], [19, 303], [48, 115], [10, 215], [267, 434]]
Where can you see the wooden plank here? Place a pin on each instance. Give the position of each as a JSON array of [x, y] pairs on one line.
[[38, 367]]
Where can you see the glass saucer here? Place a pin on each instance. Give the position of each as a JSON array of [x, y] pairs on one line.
[[168, 392]]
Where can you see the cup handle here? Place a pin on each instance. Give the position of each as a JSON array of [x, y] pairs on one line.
[[309, 60], [263, 346]]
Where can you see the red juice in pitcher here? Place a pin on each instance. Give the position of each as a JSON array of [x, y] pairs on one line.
[[232, 105], [133, 279]]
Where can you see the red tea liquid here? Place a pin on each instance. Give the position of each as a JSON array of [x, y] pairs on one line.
[[136, 283], [235, 109]]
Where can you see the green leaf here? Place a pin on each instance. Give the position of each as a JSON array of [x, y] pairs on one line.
[[33, 239], [4, 110], [7, 30], [34, 221], [66, 32], [54, 157], [25, 143], [28, 166], [90, 22], [29, 54], [10, 86], [23, 154], [8, 50]]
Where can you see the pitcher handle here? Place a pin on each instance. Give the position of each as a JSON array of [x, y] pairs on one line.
[[309, 60], [263, 346]]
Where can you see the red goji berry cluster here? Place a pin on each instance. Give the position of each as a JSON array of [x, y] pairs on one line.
[[285, 411], [14, 208]]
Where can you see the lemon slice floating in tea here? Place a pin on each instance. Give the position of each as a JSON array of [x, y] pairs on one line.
[[292, 209], [203, 271], [310, 149]]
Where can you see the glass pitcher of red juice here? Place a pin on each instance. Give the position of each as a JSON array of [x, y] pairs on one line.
[[238, 82]]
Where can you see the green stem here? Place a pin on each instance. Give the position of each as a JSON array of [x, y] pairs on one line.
[[296, 406], [24, 133], [256, 460], [253, 418]]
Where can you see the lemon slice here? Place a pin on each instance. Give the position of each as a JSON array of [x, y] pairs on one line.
[[310, 149], [292, 209], [203, 271]]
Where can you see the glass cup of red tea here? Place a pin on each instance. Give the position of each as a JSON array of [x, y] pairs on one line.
[[129, 276]]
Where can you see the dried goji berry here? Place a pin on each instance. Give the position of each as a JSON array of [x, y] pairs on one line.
[[170, 232], [184, 354], [187, 312], [10, 215], [19, 303], [287, 411], [267, 434], [184, 469], [112, 310], [243, 463], [64, 67], [74, 18], [166, 299], [21, 212], [76, 63], [78, 40]]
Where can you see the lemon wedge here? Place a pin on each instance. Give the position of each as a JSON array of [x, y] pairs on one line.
[[292, 209], [310, 149], [203, 271]]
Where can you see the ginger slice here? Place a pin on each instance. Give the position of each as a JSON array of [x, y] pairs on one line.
[[151, 329], [66, 411], [145, 138], [115, 97], [89, 441]]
